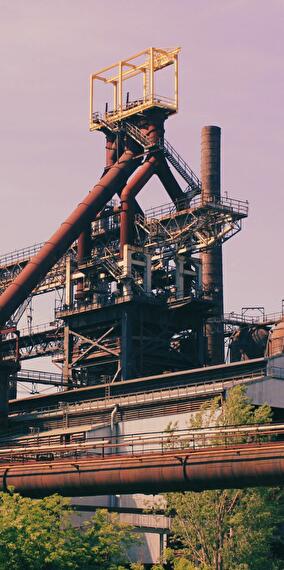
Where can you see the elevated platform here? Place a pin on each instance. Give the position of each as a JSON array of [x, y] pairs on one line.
[[142, 66], [206, 375]]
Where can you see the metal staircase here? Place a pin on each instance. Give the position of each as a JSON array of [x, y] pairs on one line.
[[111, 265], [194, 184], [181, 166], [136, 134], [15, 318]]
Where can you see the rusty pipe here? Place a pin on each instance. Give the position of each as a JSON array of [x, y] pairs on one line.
[[84, 239], [84, 245], [128, 194], [186, 470], [111, 150], [68, 232], [84, 248], [152, 128]]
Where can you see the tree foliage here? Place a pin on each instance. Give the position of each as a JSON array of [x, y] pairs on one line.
[[233, 529], [38, 535]]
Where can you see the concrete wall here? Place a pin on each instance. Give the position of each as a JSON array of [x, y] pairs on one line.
[[270, 390], [149, 549]]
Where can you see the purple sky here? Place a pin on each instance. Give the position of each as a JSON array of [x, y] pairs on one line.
[[231, 74]]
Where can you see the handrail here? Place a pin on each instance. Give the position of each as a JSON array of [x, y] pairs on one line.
[[179, 391], [235, 206], [20, 255], [149, 442], [171, 152], [24, 375], [253, 319], [41, 328]]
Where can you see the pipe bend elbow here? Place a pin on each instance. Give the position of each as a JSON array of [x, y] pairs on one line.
[[142, 176]]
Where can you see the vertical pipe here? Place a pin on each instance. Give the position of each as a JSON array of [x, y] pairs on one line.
[[68, 341], [126, 343], [110, 152], [212, 267], [153, 129], [128, 194], [144, 86], [115, 95], [120, 102], [84, 246], [176, 82], [151, 75], [91, 99]]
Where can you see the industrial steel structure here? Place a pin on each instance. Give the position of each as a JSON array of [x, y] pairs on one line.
[[139, 329], [138, 299]]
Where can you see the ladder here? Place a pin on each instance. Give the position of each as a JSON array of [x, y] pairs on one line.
[[181, 166]]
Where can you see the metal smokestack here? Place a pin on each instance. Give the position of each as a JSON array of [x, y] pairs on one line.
[[212, 266]]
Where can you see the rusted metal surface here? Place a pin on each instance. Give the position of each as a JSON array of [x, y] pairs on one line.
[[84, 245], [186, 470], [276, 340], [111, 150], [153, 130], [248, 342], [212, 266], [54, 248], [128, 194]]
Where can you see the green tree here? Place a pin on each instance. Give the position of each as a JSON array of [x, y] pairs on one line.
[[38, 535], [233, 529], [109, 540]]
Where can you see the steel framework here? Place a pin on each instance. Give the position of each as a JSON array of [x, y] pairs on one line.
[[134, 299]]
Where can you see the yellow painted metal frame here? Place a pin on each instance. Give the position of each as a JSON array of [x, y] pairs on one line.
[[153, 59]]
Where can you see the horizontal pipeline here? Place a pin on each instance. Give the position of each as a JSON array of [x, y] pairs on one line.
[[183, 470]]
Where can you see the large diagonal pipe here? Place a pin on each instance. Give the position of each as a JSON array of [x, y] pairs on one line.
[[84, 246], [84, 239], [155, 164], [68, 232], [127, 198], [153, 129]]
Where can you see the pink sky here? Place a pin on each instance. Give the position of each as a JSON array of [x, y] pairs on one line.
[[231, 75]]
